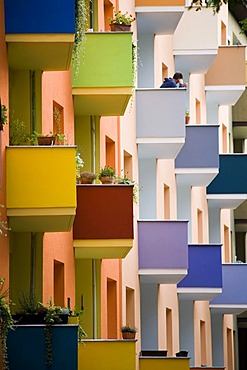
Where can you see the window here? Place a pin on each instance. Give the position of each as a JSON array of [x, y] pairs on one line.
[[200, 226], [223, 33], [58, 122], [130, 306], [58, 283], [111, 309], [128, 165], [110, 152], [203, 343], [166, 202], [169, 332], [198, 111], [226, 244]]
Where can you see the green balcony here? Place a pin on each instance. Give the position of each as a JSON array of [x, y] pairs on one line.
[[40, 188], [103, 84]]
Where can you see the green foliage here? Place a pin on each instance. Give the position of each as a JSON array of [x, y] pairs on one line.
[[3, 115], [121, 18], [128, 329], [125, 180], [17, 132], [6, 322], [3, 225], [107, 171], [79, 164]]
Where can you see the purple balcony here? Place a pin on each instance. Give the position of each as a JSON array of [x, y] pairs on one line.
[[204, 280], [233, 299], [163, 251]]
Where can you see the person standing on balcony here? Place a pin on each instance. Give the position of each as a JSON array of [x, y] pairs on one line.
[[175, 81]]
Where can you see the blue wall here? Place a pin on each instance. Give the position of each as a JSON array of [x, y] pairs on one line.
[[39, 16]]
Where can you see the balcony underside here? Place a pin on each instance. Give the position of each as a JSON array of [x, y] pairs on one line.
[[223, 201], [240, 130], [195, 176], [102, 248], [194, 61], [161, 276], [224, 94], [46, 52], [228, 309], [100, 101], [41, 220], [161, 148], [198, 294], [158, 20]]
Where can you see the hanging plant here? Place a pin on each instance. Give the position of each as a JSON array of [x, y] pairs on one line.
[[6, 323], [81, 24], [3, 225], [3, 115]]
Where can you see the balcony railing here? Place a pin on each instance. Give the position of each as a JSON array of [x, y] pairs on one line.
[[233, 299], [198, 161], [165, 363], [40, 188], [103, 226], [163, 251], [40, 35], [107, 354], [204, 279], [160, 131], [195, 51], [103, 85], [226, 78], [228, 189]]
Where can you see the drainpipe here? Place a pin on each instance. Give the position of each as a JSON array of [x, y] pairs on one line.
[[33, 101], [91, 11], [94, 274], [33, 264]]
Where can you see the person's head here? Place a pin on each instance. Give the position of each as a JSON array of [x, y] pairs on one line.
[[177, 76]]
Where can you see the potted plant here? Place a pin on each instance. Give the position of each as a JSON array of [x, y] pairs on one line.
[[3, 116], [17, 132], [121, 21], [128, 332], [87, 177], [79, 163], [187, 116], [107, 175], [6, 323], [126, 181]]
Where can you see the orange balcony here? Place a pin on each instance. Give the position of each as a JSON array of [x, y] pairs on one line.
[[226, 78], [103, 226]]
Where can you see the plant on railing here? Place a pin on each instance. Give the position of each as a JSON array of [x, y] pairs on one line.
[[81, 25], [121, 18], [6, 323], [79, 163], [125, 180]]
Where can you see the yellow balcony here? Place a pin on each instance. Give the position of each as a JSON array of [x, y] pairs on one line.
[[40, 188], [164, 363], [226, 78], [105, 354]]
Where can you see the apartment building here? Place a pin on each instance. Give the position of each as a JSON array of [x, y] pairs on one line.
[[174, 263]]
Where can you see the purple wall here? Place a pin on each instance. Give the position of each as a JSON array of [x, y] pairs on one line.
[[163, 244]]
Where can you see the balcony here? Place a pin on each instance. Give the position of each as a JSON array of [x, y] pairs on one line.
[[204, 279], [40, 188], [107, 354], [228, 189], [164, 363], [103, 85], [163, 251], [233, 299], [103, 226], [226, 78], [239, 117], [158, 17], [198, 161], [240, 218], [160, 131], [195, 51], [27, 347], [40, 35]]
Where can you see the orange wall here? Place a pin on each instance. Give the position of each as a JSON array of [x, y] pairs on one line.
[[56, 86], [4, 242]]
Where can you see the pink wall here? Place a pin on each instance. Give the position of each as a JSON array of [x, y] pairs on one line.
[[4, 241]]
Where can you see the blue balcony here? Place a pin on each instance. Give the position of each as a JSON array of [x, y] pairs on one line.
[[198, 161], [160, 130], [233, 299], [229, 187], [40, 34], [163, 251], [204, 279]]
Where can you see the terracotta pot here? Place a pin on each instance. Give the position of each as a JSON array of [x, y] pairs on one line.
[[46, 140], [120, 27], [187, 119], [107, 180], [85, 180], [128, 335]]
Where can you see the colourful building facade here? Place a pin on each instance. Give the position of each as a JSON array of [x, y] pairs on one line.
[[172, 263]]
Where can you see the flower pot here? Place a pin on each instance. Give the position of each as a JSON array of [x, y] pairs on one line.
[[46, 140], [120, 27], [182, 354], [187, 119], [85, 180], [128, 335], [107, 180], [154, 353]]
